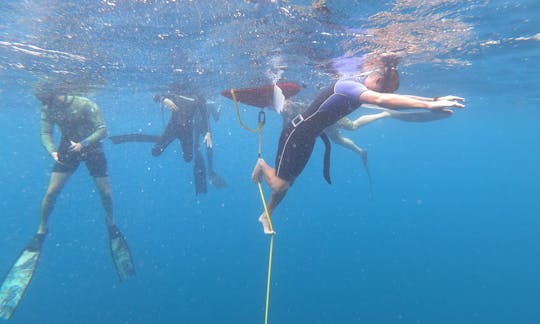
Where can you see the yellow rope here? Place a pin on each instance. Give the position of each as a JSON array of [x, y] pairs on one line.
[[259, 152], [268, 278], [253, 130]]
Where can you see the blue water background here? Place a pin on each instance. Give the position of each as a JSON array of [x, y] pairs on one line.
[[450, 233]]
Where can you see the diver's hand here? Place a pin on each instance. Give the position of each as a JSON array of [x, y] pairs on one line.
[[75, 147], [55, 156], [170, 104], [208, 140], [441, 103]]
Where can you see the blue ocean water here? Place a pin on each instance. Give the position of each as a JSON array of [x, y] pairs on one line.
[[448, 233]]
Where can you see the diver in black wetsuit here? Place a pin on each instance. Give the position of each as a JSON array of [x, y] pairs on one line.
[[180, 124], [373, 85], [189, 122]]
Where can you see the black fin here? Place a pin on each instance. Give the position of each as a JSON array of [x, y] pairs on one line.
[[199, 173], [119, 139], [327, 151]]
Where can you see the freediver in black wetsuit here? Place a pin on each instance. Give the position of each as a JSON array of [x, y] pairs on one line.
[[188, 122]]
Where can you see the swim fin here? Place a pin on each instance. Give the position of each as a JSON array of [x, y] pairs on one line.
[[213, 177], [216, 180], [19, 276], [121, 254], [326, 163], [199, 173], [119, 139], [366, 166]]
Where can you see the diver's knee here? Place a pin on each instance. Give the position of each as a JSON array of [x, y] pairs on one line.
[[156, 151], [52, 192], [279, 185], [105, 193]]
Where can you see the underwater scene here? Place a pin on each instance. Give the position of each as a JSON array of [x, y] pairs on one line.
[[269, 161]]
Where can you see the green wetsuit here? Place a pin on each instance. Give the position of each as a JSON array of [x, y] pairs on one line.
[[80, 121]]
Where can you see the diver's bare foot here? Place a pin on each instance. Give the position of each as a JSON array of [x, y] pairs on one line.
[[257, 173], [266, 225]]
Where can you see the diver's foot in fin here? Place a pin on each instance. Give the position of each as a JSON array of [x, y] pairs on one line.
[[216, 180], [257, 173], [266, 225], [121, 254], [36, 242], [19, 276]]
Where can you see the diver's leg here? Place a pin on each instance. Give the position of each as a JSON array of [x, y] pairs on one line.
[[120, 252], [336, 137], [57, 182], [199, 173], [263, 169], [210, 158], [169, 134], [185, 134], [279, 190], [97, 166], [104, 189], [275, 198], [366, 119]]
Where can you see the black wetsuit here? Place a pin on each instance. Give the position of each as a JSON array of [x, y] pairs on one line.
[[188, 124], [298, 136], [180, 125]]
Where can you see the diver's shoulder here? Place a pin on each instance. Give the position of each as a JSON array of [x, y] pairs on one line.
[[83, 102]]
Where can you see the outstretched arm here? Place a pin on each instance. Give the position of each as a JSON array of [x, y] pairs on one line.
[[396, 101], [435, 98]]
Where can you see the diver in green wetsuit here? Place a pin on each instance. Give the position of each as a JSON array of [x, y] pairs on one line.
[[82, 128]]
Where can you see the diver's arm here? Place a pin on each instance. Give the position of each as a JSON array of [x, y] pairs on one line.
[[205, 119], [100, 131], [421, 98], [396, 101], [179, 100], [47, 127], [170, 104], [452, 98]]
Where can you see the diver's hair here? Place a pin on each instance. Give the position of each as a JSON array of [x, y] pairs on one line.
[[45, 96], [391, 80], [387, 63]]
